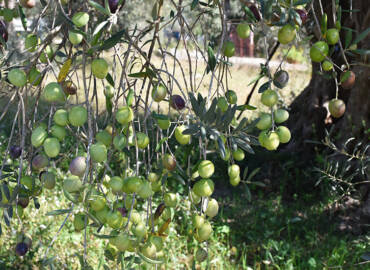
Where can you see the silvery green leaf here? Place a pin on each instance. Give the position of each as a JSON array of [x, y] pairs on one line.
[[244, 145], [194, 104], [241, 125], [221, 147], [210, 114]]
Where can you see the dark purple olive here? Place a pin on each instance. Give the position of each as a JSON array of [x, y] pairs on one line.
[[15, 151], [21, 249], [255, 12], [281, 79], [39, 162], [177, 102], [113, 5], [303, 14], [3, 31], [23, 201]]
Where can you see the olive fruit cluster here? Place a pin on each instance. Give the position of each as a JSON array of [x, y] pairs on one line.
[[271, 135]]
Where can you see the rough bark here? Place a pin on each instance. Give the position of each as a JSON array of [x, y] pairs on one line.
[[309, 113]]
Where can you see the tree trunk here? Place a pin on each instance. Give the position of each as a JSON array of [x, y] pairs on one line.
[[309, 113]]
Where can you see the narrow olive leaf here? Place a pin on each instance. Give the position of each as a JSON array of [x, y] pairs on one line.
[[233, 144], [112, 41], [60, 54], [253, 173], [159, 116], [221, 147], [1, 231], [109, 106], [6, 191], [194, 4], [5, 175], [6, 218], [244, 145], [10, 211], [200, 98], [260, 184], [23, 17], [99, 8], [246, 107], [150, 72], [99, 27], [245, 173], [103, 236], [266, 9], [110, 79], [296, 16], [69, 196], [209, 116], [361, 36], [264, 87], [324, 23], [345, 76], [106, 5], [178, 178], [194, 104], [64, 70], [202, 107], [130, 97], [142, 74], [211, 60], [36, 203], [151, 261], [191, 130], [229, 116], [256, 79], [203, 133], [164, 178], [241, 125], [158, 147], [58, 212], [361, 51], [250, 15], [248, 193], [366, 256], [348, 39], [155, 11]]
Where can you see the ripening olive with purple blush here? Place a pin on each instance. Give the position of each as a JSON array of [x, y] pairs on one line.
[[78, 166], [40, 161], [15, 151], [177, 102], [303, 14]]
